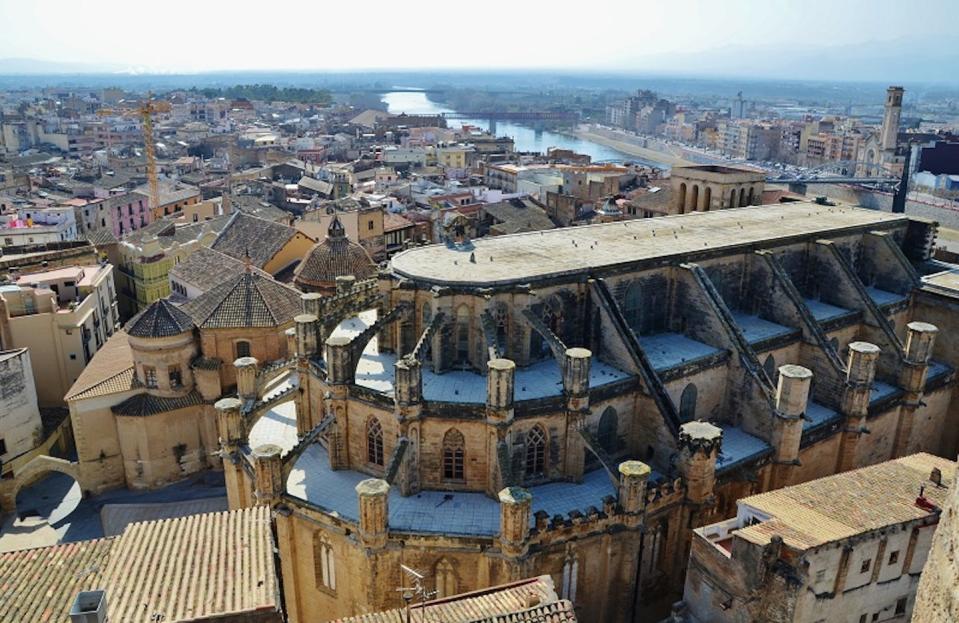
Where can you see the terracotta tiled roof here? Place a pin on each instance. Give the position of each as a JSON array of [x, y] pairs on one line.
[[110, 371], [199, 567], [160, 319], [193, 568], [147, 404], [206, 363], [205, 268], [101, 237], [844, 505], [394, 222], [336, 256], [39, 585], [527, 601], [122, 382], [249, 300], [261, 238]]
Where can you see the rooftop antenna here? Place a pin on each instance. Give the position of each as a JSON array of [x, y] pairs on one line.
[[416, 589]]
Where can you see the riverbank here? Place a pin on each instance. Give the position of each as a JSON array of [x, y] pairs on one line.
[[631, 149]]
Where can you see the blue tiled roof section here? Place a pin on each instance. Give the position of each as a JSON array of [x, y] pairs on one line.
[[937, 369], [884, 297], [656, 477], [739, 447], [468, 514], [559, 498], [668, 350], [824, 311], [881, 391], [756, 329], [818, 415], [539, 380]]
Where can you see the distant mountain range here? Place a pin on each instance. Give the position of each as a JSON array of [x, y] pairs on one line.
[[904, 60]]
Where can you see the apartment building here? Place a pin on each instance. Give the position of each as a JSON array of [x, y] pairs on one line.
[[63, 316], [20, 426], [848, 547], [39, 226]]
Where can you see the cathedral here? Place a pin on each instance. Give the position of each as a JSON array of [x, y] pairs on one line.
[[566, 403], [881, 153]]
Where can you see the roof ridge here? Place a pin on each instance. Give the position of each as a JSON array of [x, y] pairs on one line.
[[78, 393]]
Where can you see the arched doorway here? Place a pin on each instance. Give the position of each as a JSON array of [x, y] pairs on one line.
[[707, 198], [742, 197], [682, 198], [694, 198], [749, 197]]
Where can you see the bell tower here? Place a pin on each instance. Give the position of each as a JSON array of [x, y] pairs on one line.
[[890, 120]]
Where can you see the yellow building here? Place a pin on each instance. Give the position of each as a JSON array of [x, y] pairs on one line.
[[63, 317], [453, 156], [146, 257], [362, 221]]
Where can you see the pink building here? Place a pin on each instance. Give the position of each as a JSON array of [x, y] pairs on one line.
[[119, 214]]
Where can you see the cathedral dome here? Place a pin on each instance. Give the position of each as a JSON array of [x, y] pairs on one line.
[[336, 256], [160, 319]]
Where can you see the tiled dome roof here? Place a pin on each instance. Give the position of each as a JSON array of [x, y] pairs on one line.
[[336, 256], [250, 299], [160, 319]]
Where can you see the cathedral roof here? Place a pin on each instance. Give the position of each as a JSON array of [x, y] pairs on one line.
[[145, 404], [160, 319], [573, 252], [109, 372], [250, 299], [336, 256]]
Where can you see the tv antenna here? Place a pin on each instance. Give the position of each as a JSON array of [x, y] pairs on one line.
[[414, 591]]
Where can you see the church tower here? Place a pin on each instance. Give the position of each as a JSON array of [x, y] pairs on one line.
[[890, 120]]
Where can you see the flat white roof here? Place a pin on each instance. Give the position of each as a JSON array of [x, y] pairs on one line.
[[518, 258]]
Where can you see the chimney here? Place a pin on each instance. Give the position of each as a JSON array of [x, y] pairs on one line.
[[936, 476], [89, 607]]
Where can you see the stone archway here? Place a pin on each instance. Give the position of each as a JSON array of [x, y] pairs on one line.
[[38, 466]]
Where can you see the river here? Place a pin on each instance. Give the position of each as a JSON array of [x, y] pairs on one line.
[[524, 138]]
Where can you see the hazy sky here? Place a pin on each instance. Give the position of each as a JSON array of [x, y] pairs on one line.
[[189, 35]]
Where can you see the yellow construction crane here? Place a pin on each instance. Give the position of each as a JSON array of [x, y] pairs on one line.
[[145, 111]]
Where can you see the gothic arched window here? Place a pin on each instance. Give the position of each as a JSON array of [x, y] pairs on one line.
[[606, 432], [570, 575], [769, 366], [463, 335], [445, 575], [535, 451], [324, 569], [633, 307], [374, 442], [687, 403], [501, 318], [453, 455]]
